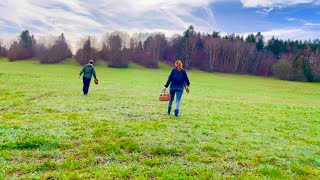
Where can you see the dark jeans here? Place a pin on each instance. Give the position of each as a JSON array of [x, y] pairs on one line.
[[178, 93], [86, 84]]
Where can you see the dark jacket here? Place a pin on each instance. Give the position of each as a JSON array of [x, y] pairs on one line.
[[88, 71], [178, 79]]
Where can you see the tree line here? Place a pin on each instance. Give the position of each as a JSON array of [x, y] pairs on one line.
[[211, 52]]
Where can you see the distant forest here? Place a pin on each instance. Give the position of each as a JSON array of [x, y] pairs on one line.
[[284, 59]]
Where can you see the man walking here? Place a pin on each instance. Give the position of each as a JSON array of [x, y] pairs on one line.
[[87, 71]]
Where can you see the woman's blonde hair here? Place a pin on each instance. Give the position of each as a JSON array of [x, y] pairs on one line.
[[179, 65]]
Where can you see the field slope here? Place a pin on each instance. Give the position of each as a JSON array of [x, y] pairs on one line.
[[231, 126]]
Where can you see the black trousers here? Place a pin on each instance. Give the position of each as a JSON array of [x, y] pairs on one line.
[[86, 85]]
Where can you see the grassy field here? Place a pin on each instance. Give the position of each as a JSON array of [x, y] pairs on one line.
[[231, 126]]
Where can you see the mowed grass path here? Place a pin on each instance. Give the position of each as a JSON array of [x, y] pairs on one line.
[[231, 126]]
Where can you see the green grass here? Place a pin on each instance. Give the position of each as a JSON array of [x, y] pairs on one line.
[[231, 126]]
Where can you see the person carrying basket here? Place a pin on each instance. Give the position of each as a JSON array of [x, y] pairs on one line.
[[178, 80], [88, 71]]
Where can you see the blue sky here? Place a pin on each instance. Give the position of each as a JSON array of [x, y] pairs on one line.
[[233, 17], [294, 19]]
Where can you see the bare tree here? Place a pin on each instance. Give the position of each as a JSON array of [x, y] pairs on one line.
[[188, 50], [209, 47]]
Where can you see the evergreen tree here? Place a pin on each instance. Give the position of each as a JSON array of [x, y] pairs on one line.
[[24, 48], [63, 47], [1, 50], [307, 70], [187, 46], [25, 40], [118, 55], [87, 50], [199, 42], [230, 37], [104, 51], [298, 68], [241, 38], [140, 48], [318, 50], [189, 32], [260, 43], [275, 46], [216, 34], [86, 53], [251, 38]]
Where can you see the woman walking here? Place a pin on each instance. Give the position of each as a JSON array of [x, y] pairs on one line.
[[177, 80], [87, 71]]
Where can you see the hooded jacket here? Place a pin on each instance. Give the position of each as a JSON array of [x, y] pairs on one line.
[[88, 71]]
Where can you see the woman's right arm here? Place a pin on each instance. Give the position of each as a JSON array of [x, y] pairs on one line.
[[169, 80]]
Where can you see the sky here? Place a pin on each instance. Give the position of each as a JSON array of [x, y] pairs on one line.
[[77, 19]]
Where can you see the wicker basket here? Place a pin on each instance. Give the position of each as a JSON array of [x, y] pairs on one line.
[[164, 96]]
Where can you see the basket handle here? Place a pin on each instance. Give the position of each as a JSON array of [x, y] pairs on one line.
[[164, 92]]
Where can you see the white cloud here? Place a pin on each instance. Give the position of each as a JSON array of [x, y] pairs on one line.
[[303, 22], [312, 24], [274, 3], [290, 33], [265, 11], [292, 19], [78, 18], [282, 33], [293, 34]]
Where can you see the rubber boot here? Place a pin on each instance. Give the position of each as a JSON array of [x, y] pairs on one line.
[[169, 110], [176, 112]]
